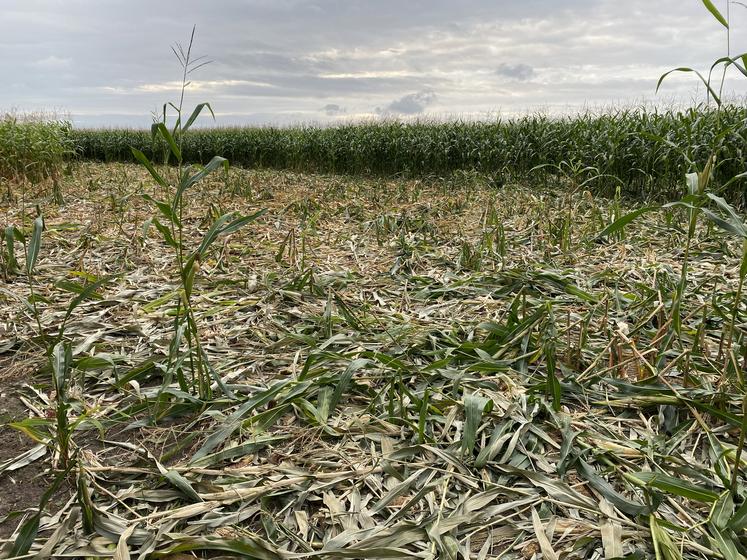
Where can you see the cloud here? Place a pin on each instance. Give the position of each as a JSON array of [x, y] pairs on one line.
[[333, 109], [410, 104], [53, 62], [518, 72], [297, 59]]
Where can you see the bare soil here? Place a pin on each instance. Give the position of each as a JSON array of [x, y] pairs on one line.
[[23, 488]]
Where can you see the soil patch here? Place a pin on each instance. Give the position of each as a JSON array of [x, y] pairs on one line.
[[20, 489]]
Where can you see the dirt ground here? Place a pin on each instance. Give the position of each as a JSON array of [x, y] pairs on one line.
[[20, 489]]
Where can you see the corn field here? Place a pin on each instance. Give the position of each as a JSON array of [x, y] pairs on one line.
[[516, 339], [33, 148], [645, 151]]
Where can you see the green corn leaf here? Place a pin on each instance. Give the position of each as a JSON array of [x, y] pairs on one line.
[[734, 217], [348, 314], [187, 181], [734, 224], [182, 484], [232, 423], [664, 547], [26, 536], [154, 126], [603, 487], [312, 413], [620, 223], [714, 11], [214, 374], [238, 223], [190, 270], [423, 416], [242, 450], [101, 361], [11, 234], [86, 293], [164, 208], [35, 428], [386, 360], [707, 83], [164, 132], [281, 251], [345, 380], [724, 543], [165, 233], [567, 285], [722, 510], [86, 503], [140, 156], [34, 244], [497, 440], [193, 117], [18, 234], [738, 521], [734, 179], [75, 288], [246, 547], [62, 358], [323, 401], [474, 407], [213, 233], [675, 486], [730, 61], [736, 229], [222, 226], [552, 389]]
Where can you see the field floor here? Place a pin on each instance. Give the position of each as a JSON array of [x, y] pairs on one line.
[[447, 368]]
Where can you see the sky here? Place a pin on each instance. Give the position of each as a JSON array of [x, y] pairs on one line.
[[108, 63]]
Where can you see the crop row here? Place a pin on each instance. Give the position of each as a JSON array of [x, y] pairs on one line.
[[33, 148], [648, 151]]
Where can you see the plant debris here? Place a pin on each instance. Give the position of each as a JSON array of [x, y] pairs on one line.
[[413, 369]]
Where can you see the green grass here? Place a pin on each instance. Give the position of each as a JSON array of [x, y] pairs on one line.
[[647, 150]]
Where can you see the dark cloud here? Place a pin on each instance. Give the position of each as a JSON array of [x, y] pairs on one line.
[[333, 109], [518, 72], [410, 104]]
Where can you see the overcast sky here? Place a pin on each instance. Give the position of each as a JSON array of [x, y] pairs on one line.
[[109, 62]]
